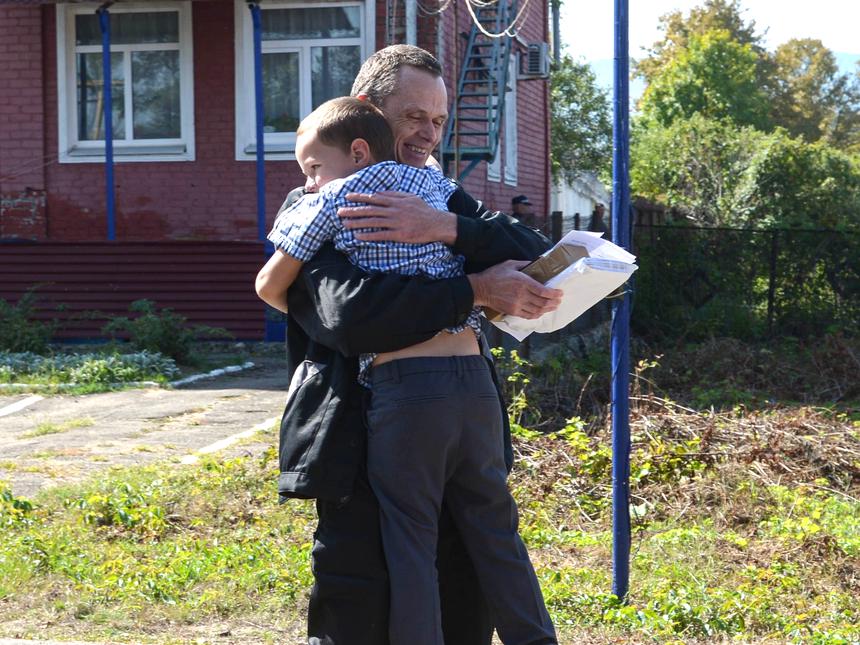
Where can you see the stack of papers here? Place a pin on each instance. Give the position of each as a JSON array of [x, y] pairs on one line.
[[585, 267]]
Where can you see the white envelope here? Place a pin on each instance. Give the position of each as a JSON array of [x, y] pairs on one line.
[[584, 283]]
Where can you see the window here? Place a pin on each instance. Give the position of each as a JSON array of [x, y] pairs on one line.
[[511, 151], [310, 53], [151, 82]]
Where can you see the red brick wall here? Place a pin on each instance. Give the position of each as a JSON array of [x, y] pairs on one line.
[[22, 142], [211, 198], [214, 197]]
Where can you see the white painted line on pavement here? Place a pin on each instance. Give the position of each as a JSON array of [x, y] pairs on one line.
[[219, 372], [229, 441], [12, 408]]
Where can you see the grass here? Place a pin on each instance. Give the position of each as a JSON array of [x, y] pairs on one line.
[[48, 427], [723, 548], [746, 529]]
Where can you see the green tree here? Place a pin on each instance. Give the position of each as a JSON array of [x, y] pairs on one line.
[[694, 165], [713, 75], [793, 183], [581, 124], [810, 98], [678, 30], [717, 173]]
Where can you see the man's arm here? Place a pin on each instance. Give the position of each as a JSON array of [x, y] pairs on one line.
[[488, 237], [484, 237], [344, 308]]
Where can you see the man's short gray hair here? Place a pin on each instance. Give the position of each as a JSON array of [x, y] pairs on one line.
[[377, 77]]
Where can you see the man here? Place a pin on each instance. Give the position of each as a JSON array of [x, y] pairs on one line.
[[597, 224], [522, 209], [338, 312]]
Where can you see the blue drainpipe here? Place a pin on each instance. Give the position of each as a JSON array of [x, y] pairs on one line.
[[107, 89], [275, 329]]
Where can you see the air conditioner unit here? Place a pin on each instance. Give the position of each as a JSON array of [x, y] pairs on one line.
[[537, 61]]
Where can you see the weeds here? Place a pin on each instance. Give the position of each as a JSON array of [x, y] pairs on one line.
[[160, 330], [20, 330], [88, 372], [745, 529], [47, 427]]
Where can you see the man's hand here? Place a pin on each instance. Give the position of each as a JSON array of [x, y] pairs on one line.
[[506, 289], [403, 217]]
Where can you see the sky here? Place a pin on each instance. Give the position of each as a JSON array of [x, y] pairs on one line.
[[587, 28]]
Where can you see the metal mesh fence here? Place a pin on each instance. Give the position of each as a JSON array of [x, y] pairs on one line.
[[697, 282]]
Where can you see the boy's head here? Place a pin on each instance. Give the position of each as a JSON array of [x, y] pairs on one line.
[[341, 137]]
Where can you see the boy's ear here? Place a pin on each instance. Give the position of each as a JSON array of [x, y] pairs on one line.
[[360, 152]]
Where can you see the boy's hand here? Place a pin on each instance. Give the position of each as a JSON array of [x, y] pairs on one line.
[[401, 217]]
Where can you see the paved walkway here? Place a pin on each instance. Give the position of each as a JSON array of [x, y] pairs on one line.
[[60, 439]]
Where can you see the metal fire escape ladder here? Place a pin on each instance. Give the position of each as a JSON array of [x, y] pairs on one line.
[[472, 134]]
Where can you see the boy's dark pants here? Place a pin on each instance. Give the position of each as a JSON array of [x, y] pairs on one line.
[[434, 428], [350, 597]]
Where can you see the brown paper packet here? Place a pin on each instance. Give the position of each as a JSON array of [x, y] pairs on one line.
[[547, 266]]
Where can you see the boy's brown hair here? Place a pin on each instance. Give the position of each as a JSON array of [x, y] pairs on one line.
[[341, 121]]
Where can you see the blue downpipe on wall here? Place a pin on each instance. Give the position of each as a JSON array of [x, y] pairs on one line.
[[110, 200], [275, 325]]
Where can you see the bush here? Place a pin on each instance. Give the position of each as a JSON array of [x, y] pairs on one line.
[[163, 331], [85, 369], [19, 332]]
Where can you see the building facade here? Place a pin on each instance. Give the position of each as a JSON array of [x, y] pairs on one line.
[[183, 94]]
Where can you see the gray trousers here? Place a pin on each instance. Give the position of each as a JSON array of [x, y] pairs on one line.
[[434, 429]]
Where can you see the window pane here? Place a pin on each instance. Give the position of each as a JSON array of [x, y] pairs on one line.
[[155, 95], [333, 69], [281, 92], [329, 22], [90, 96], [129, 28]]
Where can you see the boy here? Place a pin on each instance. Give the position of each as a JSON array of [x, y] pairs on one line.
[[433, 422]]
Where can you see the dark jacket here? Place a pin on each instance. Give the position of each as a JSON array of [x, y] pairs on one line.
[[337, 311]]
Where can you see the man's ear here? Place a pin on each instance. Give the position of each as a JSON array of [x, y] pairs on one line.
[[360, 152]]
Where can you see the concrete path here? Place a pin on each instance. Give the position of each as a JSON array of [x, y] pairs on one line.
[[60, 439]]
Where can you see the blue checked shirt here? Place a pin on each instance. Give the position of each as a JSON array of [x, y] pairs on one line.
[[302, 229]]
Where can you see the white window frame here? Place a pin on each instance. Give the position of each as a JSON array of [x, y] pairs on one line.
[[71, 149], [281, 145], [494, 167], [511, 149]]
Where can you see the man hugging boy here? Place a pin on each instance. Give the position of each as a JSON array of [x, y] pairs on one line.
[[434, 422]]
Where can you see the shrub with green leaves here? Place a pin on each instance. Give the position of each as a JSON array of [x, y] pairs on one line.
[[19, 330], [85, 369], [161, 330]]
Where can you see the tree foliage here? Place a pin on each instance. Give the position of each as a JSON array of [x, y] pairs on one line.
[[581, 122], [715, 76], [693, 165], [810, 98], [714, 15], [692, 70], [720, 174]]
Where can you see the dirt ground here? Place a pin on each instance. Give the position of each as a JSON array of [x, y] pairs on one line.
[[61, 439]]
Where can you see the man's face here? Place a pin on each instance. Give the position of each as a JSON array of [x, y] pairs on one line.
[[417, 112], [321, 163], [522, 209]]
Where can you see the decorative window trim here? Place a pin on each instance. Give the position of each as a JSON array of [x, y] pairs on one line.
[[281, 146], [511, 146], [71, 150], [494, 167]]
